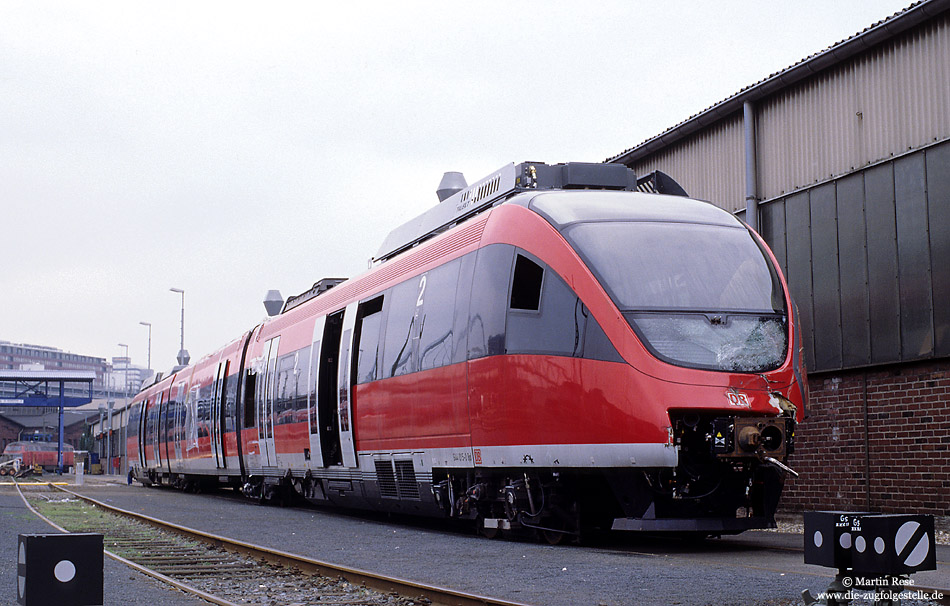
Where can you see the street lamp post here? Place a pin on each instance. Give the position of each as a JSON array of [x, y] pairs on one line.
[[183, 356], [125, 392], [149, 324]]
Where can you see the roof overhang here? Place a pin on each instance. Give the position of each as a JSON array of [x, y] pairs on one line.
[[876, 34], [32, 387]]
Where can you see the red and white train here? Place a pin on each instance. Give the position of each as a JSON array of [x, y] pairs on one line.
[[547, 349]]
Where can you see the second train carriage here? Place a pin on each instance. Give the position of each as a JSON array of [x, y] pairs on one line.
[[545, 349]]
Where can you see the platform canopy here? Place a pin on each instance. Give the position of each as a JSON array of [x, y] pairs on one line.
[[33, 387]]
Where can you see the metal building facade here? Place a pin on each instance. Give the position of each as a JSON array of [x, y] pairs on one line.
[[867, 258], [708, 165], [893, 98]]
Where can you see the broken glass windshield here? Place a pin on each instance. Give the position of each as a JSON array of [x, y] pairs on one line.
[[698, 295]]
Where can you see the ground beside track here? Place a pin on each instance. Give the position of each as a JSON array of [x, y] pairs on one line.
[[121, 585], [753, 569]]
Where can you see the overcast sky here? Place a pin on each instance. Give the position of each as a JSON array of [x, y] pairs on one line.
[[227, 148]]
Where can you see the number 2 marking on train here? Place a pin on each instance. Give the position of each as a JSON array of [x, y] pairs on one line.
[[422, 290]]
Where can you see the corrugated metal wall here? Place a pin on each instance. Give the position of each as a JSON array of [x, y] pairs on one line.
[[710, 165], [881, 104], [867, 257]]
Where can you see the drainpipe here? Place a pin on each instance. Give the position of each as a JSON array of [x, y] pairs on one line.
[[751, 196]]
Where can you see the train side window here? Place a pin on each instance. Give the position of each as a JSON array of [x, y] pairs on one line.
[[368, 324], [286, 385], [544, 316], [596, 344], [486, 321], [402, 328], [438, 318], [181, 416], [312, 386], [526, 284], [558, 324], [463, 296], [230, 400], [204, 410], [250, 401], [301, 381]]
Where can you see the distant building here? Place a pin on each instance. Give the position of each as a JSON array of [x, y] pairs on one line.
[[20, 356], [114, 381]]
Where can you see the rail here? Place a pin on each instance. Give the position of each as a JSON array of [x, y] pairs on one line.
[[436, 595]]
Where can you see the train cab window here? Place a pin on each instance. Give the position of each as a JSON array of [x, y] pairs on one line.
[[526, 284], [368, 325], [486, 320], [547, 317]]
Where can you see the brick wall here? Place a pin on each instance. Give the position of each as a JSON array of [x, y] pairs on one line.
[[876, 439], [8, 432]]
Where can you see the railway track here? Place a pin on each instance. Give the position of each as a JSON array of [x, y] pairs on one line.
[[227, 572]]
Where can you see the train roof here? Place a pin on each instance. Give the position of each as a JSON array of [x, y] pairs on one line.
[[562, 209], [513, 179]]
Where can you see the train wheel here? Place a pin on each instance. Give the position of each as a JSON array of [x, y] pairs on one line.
[[552, 537], [488, 533]]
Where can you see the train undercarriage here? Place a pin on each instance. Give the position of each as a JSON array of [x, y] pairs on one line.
[[728, 479]]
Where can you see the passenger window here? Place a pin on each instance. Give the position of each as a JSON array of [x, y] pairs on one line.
[[301, 378], [438, 317], [250, 402], [286, 385], [369, 322], [526, 284], [402, 328], [312, 386], [486, 322], [463, 297]]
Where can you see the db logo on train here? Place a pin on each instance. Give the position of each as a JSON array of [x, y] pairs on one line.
[[738, 399]]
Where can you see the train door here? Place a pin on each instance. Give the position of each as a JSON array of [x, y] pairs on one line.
[[265, 420], [178, 423], [218, 400], [344, 402], [327, 395], [143, 433], [316, 452], [241, 416], [164, 431]]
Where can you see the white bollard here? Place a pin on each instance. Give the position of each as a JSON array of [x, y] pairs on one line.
[[79, 466]]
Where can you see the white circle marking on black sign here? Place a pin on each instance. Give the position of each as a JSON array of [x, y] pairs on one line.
[[64, 571]]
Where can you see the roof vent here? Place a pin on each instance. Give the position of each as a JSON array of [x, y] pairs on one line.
[[273, 302], [452, 183]]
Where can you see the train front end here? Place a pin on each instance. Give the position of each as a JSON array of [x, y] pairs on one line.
[[709, 332]]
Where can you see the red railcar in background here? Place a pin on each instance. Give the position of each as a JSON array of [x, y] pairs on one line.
[[546, 350], [44, 454]]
